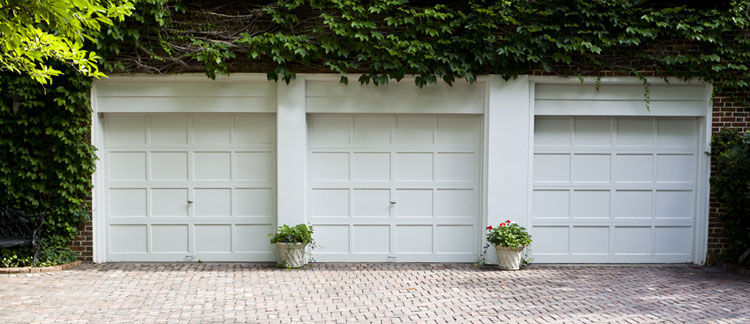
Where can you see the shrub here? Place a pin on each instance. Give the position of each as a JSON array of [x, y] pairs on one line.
[[730, 184], [300, 233]]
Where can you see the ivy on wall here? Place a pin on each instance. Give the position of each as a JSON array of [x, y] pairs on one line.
[[436, 40], [730, 183], [46, 160]]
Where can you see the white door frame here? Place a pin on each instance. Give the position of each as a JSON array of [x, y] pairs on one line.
[[508, 126], [704, 133]]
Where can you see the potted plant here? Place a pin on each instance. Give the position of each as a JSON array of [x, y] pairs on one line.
[[509, 240], [292, 242]]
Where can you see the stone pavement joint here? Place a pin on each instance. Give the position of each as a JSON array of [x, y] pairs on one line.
[[373, 293]]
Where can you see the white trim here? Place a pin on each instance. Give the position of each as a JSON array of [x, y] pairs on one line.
[[611, 80], [98, 203], [704, 174]]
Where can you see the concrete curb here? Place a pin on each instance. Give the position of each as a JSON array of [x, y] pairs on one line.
[[41, 269]]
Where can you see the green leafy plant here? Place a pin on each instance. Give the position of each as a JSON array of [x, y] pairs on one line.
[[300, 233], [46, 159], [730, 184], [508, 234], [39, 31], [385, 40]]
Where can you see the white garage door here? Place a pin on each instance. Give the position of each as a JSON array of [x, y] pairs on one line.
[[189, 187], [614, 189], [395, 187]]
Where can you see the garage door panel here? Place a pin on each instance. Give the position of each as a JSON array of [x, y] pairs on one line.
[[590, 204], [372, 166], [415, 130], [212, 130], [673, 240], [329, 166], [552, 167], [332, 239], [207, 193], [676, 132], [675, 168], [592, 132], [414, 166], [629, 204], [590, 168], [633, 240], [169, 166], [371, 239], [168, 130], [371, 203], [634, 168], [414, 202], [589, 240], [371, 130], [551, 204], [674, 204], [125, 130], [630, 195], [253, 238], [127, 202], [128, 238], [330, 202], [249, 130], [330, 130], [253, 166], [387, 196], [212, 165], [213, 238], [169, 238], [127, 165], [458, 239], [452, 131], [453, 167], [253, 202], [635, 132]]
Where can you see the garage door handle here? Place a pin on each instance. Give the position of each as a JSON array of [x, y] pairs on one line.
[[393, 202], [190, 201]]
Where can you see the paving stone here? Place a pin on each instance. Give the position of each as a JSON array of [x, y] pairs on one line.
[[373, 293]]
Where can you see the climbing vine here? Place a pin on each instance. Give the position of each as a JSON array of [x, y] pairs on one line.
[[386, 40]]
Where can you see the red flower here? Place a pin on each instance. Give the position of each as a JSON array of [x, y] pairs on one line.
[[489, 227], [502, 224], [507, 222]]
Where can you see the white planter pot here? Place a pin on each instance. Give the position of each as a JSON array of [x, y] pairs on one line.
[[509, 258], [292, 255]]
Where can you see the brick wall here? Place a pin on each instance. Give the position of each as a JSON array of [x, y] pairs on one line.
[[727, 113], [84, 242]]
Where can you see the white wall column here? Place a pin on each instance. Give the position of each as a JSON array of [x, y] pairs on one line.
[[291, 139], [508, 131]]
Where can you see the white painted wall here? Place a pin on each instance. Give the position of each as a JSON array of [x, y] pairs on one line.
[[291, 136], [507, 108]]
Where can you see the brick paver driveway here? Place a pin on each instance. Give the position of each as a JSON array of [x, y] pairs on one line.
[[251, 293]]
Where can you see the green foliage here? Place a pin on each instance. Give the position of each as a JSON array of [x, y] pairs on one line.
[[440, 40], [299, 233], [35, 32], [46, 160], [730, 184], [509, 235]]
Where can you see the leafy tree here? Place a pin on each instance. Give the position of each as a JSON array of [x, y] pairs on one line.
[[33, 32]]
